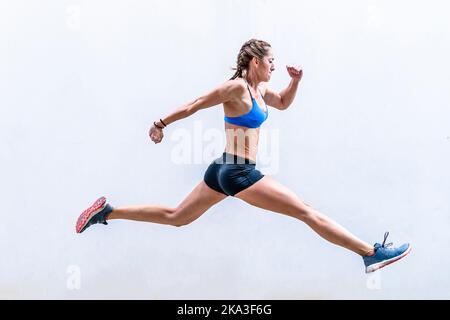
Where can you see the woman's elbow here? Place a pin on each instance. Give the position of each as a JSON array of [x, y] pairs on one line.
[[192, 108], [189, 111], [282, 106]]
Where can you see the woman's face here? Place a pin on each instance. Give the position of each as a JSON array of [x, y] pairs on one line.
[[266, 66]]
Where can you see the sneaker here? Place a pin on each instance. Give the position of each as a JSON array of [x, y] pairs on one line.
[[385, 255], [94, 214]]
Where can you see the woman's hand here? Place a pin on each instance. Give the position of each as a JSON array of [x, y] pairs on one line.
[[156, 134], [295, 72]]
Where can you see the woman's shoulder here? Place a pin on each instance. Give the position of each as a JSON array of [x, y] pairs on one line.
[[236, 85]]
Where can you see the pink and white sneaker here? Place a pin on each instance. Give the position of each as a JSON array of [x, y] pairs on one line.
[[96, 213]]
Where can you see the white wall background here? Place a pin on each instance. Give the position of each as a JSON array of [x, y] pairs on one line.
[[367, 142]]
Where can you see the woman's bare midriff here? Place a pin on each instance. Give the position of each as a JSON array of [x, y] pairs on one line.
[[242, 141]]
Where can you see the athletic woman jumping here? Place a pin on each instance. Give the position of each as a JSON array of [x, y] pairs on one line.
[[245, 99]]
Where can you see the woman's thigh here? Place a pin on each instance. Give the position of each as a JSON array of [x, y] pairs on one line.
[[197, 202], [271, 195]]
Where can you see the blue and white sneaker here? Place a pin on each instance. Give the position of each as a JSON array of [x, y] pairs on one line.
[[384, 255]]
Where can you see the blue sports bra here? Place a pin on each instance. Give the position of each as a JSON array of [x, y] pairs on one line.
[[252, 119]]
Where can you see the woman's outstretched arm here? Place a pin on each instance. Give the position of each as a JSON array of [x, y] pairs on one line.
[[225, 92], [221, 94]]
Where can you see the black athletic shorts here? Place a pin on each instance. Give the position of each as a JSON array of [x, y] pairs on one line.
[[230, 174]]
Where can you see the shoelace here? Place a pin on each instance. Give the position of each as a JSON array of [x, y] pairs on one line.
[[384, 244]]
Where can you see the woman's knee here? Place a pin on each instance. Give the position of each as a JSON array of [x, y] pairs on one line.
[[180, 221], [177, 218], [303, 212]]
